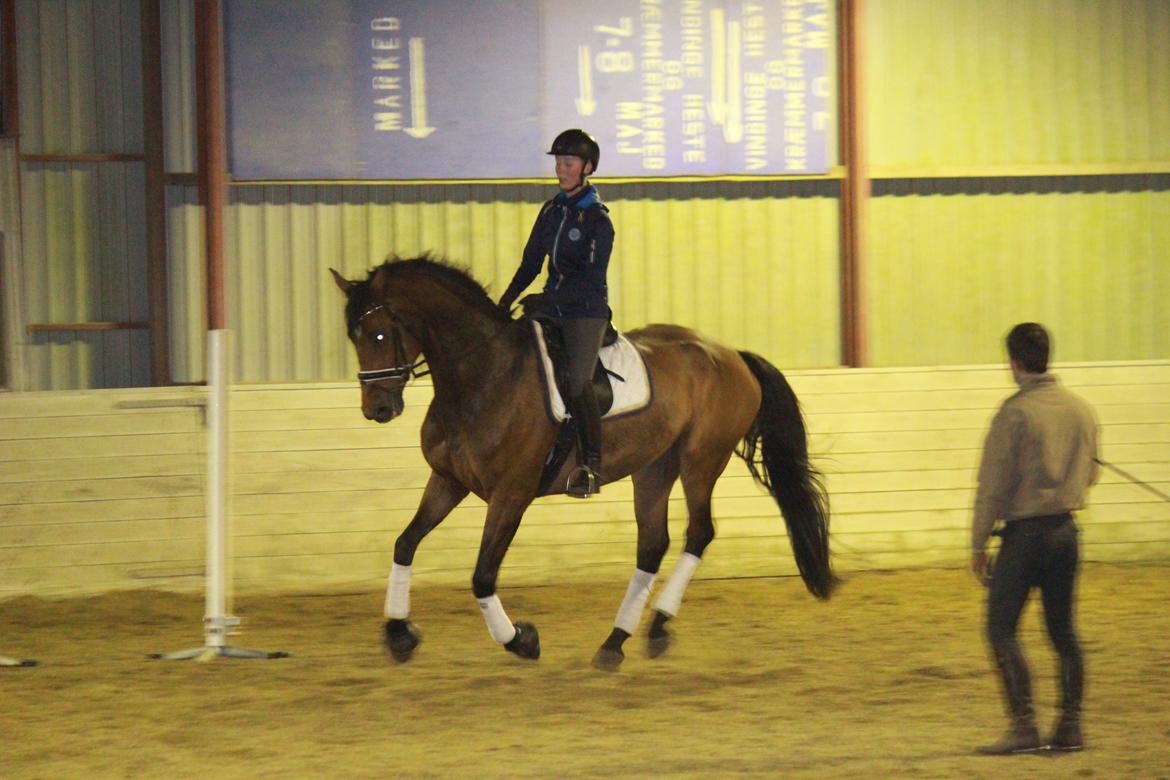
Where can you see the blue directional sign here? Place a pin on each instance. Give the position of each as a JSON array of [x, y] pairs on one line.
[[450, 89]]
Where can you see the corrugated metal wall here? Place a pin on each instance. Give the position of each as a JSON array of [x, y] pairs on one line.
[[1052, 120], [1016, 82], [84, 250], [952, 273], [177, 22], [1068, 89], [79, 70], [752, 264], [186, 266], [186, 284]]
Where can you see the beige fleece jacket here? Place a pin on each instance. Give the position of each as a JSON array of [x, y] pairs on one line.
[[1039, 458]]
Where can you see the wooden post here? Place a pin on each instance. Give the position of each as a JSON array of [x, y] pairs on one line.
[[154, 165], [855, 187], [11, 108]]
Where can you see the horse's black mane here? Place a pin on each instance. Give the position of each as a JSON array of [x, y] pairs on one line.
[[458, 280]]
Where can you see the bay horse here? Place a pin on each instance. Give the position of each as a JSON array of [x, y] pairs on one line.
[[486, 432]]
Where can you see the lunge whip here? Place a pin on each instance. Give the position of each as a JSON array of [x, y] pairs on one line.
[[1135, 480]]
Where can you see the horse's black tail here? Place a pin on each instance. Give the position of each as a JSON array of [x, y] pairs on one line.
[[776, 452]]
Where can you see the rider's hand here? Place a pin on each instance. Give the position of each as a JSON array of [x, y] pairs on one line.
[[532, 302]]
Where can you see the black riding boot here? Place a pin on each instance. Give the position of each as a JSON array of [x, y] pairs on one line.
[[1022, 736], [1067, 734], [585, 480]]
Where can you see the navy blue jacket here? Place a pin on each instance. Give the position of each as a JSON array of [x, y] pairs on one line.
[[577, 238]]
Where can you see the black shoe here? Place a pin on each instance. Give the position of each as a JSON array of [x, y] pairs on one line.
[[1021, 738], [1067, 735]]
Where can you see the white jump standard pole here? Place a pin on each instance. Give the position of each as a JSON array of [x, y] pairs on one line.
[[9, 661], [217, 624]]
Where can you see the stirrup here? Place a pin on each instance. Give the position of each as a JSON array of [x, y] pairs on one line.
[[590, 478]]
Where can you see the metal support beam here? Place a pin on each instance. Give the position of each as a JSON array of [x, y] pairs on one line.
[[855, 187], [212, 158]]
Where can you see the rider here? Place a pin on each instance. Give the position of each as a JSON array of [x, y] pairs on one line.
[[573, 230]]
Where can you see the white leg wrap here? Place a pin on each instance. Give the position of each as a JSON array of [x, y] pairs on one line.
[[670, 599], [398, 593], [638, 591], [498, 624]]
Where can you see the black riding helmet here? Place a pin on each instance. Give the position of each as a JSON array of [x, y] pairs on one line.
[[577, 143]]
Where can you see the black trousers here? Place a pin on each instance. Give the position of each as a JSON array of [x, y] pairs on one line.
[[582, 341], [1036, 553]]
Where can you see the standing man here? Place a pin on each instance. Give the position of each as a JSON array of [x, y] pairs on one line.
[[1039, 458]]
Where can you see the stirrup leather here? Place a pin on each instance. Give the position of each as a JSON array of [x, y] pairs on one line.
[[573, 487]]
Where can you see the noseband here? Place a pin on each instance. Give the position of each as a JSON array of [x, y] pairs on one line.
[[404, 369]]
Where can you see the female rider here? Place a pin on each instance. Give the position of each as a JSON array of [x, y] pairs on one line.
[[573, 230]]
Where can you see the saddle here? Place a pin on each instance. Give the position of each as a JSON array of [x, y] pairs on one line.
[[602, 389], [555, 344]]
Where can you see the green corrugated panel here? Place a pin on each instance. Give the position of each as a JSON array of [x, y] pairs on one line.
[[1003, 82], [186, 283], [79, 74], [83, 245], [178, 74], [756, 273], [951, 274]]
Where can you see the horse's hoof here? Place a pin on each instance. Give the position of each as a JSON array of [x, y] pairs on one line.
[[607, 659], [400, 639], [657, 644], [526, 643]]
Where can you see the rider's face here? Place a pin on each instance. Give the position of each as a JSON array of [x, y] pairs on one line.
[[570, 173]]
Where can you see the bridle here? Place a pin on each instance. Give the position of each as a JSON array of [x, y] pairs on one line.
[[403, 369]]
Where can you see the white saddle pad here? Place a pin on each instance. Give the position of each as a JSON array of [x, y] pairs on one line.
[[630, 393]]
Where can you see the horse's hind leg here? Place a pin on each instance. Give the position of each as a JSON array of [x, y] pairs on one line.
[[698, 477], [439, 498], [651, 493]]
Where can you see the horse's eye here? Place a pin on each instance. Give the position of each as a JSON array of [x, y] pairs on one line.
[[379, 336]]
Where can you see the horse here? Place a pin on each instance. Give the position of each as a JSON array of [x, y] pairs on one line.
[[486, 433]]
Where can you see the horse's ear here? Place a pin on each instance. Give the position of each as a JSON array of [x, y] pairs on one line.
[[377, 282], [343, 284]]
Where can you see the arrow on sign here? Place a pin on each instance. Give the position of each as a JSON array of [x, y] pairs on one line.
[[733, 124], [585, 102], [418, 90], [717, 105]]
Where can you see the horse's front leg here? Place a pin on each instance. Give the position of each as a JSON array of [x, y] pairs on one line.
[[503, 518], [439, 498]]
